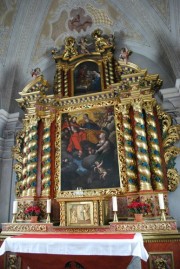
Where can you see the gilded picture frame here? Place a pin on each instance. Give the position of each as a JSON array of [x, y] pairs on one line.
[[100, 173], [87, 77], [80, 213], [161, 260]]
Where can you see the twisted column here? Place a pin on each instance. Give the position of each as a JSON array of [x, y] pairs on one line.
[[46, 159], [111, 73], [141, 147], [58, 81], [65, 83], [25, 162], [32, 158], [129, 150], [106, 72], [154, 149]]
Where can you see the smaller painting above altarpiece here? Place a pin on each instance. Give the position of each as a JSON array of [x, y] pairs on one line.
[[87, 78]]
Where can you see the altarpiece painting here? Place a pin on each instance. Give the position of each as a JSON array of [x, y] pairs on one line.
[[89, 150]]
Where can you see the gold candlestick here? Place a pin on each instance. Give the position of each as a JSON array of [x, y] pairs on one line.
[[14, 218], [48, 218], [115, 218], [163, 215]]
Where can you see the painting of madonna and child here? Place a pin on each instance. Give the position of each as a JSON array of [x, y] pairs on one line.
[[87, 78], [89, 150]]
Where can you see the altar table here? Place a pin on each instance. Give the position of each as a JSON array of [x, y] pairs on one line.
[[77, 244]]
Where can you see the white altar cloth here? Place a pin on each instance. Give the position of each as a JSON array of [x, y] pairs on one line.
[[76, 246]]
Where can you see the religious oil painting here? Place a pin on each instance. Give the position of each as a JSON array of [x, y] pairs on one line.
[[80, 213], [87, 78], [161, 260], [89, 150]]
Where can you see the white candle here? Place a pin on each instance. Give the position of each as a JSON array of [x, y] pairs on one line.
[[161, 200], [48, 209], [15, 207], [114, 203]]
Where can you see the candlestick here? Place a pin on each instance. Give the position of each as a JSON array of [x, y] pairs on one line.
[[48, 218], [115, 218], [114, 203], [48, 209], [14, 218], [15, 207], [161, 200], [163, 215]]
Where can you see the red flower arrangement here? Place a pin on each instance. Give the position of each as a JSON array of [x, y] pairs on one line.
[[138, 207], [33, 210]]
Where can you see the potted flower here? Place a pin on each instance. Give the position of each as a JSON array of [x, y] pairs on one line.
[[138, 209], [33, 211]]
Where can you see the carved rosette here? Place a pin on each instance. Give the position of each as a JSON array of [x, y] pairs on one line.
[[46, 159], [154, 150], [142, 148], [129, 150]]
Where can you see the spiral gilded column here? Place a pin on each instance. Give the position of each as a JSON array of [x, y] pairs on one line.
[[25, 163], [32, 159], [154, 149], [65, 82], [58, 81], [46, 159], [106, 72], [141, 148], [129, 150], [111, 72]]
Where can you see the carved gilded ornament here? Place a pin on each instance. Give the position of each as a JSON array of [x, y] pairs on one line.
[[154, 149], [171, 134]]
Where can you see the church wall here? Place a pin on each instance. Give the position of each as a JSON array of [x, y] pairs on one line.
[[8, 125]]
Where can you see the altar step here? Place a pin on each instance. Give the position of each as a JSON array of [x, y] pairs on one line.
[[146, 227]]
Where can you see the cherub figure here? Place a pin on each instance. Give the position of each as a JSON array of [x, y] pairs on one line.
[[98, 168], [70, 47], [124, 54], [111, 40], [36, 72], [83, 45]]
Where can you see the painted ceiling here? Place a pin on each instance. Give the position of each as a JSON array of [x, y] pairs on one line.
[[30, 29]]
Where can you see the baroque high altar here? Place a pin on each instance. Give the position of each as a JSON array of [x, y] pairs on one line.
[[98, 133]]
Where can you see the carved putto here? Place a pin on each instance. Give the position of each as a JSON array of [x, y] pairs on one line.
[[124, 54]]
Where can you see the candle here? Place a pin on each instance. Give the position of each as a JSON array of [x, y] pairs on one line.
[[48, 206], [161, 200], [114, 203], [15, 207]]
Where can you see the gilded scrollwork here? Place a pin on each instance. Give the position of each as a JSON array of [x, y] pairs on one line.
[[165, 120], [173, 179], [171, 134]]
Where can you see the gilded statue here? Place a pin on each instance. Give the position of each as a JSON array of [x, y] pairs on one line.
[[70, 47], [100, 42]]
